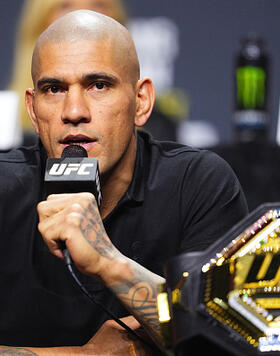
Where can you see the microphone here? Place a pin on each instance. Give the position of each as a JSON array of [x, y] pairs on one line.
[[74, 172]]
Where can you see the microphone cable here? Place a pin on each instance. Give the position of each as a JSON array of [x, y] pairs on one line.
[[68, 263]]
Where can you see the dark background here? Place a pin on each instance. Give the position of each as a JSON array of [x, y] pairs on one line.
[[209, 36]]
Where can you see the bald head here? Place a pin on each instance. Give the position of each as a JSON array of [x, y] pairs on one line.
[[86, 25]]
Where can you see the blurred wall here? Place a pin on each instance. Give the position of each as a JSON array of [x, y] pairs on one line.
[[208, 34]]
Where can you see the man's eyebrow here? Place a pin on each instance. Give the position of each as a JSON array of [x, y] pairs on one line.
[[101, 76], [44, 81]]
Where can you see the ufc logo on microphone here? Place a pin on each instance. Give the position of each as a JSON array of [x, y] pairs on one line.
[[59, 169]]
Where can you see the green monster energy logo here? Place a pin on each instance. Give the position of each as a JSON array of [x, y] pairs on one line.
[[250, 87]]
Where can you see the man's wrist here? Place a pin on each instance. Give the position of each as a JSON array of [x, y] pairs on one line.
[[115, 270]]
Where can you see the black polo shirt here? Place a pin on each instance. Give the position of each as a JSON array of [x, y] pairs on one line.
[[180, 199]]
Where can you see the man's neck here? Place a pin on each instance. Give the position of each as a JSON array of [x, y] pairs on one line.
[[111, 195], [116, 183]]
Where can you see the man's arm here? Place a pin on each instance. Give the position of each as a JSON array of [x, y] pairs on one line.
[[137, 289], [24, 351], [111, 339], [75, 220]]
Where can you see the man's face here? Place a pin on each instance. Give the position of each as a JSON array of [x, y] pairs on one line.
[[84, 96]]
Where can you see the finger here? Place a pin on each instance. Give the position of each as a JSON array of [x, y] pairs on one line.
[[62, 195], [138, 346], [50, 237], [58, 202], [69, 196], [131, 322], [132, 351], [60, 227]]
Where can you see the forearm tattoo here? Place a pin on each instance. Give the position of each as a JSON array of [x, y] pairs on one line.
[[93, 231], [14, 351], [140, 297], [139, 294]]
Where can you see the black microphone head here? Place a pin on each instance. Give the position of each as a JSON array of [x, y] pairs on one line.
[[74, 151], [74, 172]]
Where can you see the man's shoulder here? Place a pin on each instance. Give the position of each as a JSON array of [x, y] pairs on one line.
[[175, 153], [19, 163], [20, 155], [20, 169]]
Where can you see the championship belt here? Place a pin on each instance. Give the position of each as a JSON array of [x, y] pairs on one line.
[[226, 300]]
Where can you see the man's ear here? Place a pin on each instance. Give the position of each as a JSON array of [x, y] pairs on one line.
[[29, 98], [144, 101]]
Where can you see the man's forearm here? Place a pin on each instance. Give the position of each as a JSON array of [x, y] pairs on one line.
[[137, 289], [36, 351]]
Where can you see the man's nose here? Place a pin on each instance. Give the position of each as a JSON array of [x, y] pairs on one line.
[[75, 108]]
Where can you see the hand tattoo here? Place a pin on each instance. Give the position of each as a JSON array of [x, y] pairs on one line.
[[93, 231]]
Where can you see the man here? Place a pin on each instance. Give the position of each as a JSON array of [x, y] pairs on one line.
[[159, 199]]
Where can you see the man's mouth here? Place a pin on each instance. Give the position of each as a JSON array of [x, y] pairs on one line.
[[80, 140], [76, 140]]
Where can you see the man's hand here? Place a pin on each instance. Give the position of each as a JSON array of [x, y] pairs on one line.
[[75, 220], [111, 339]]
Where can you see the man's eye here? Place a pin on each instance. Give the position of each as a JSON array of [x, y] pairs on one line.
[[100, 85], [51, 89], [54, 89]]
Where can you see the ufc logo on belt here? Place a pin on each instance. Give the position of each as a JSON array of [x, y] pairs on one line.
[[66, 169]]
